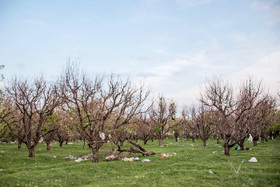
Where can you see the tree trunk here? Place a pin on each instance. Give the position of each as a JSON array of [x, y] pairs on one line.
[[19, 144], [94, 155], [226, 148], [145, 141], [193, 139], [241, 144], [31, 152], [218, 140], [48, 146], [176, 138], [204, 142], [60, 143], [255, 141], [121, 142], [160, 142]]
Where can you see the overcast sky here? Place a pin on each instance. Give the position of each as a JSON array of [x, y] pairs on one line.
[[171, 45]]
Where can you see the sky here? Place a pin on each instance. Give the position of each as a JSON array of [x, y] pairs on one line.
[[173, 46]]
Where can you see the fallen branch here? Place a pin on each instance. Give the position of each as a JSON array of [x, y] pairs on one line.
[[137, 149]]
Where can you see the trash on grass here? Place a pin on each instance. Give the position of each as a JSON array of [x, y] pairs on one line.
[[128, 159], [166, 155], [146, 160], [111, 157], [210, 171], [253, 159]]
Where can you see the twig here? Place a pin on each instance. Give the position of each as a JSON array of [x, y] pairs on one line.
[[238, 170]]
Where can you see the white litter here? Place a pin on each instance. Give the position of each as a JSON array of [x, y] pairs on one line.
[[210, 171], [102, 135], [79, 160], [146, 160], [54, 156], [253, 159]]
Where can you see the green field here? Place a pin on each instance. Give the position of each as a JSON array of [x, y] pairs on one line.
[[193, 165]]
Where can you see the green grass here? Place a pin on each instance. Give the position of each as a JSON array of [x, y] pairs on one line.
[[190, 166]]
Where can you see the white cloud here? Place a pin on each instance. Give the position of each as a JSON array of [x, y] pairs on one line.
[[158, 74], [266, 69]]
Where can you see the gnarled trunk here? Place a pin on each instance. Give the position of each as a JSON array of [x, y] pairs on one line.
[[255, 141], [48, 146], [241, 144], [31, 151], [160, 142], [95, 156], [19, 144], [204, 142], [226, 149], [145, 141]]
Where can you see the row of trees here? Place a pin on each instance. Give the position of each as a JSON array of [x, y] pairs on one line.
[[101, 109]]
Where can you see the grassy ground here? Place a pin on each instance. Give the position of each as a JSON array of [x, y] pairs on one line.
[[193, 165]]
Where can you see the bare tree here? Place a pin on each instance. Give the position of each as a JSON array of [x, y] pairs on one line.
[[234, 115], [160, 115], [218, 95], [177, 125], [100, 107], [28, 107], [204, 120], [262, 117], [144, 130]]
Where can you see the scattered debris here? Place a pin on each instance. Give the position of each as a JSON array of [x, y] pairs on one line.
[[166, 155], [102, 135], [70, 143], [253, 159], [214, 152], [210, 171], [136, 158], [112, 157], [80, 158], [54, 156], [2, 151], [192, 145], [1, 169], [250, 139], [237, 148], [238, 170], [128, 159], [146, 160]]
